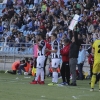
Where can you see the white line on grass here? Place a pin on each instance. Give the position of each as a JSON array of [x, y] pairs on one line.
[[74, 97], [21, 80], [83, 95], [77, 88]]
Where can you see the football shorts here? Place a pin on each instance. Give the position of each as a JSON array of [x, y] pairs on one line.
[[55, 63], [40, 61], [96, 68]]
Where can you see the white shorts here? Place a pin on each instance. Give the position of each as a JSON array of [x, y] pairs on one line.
[[55, 63], [40, 61]]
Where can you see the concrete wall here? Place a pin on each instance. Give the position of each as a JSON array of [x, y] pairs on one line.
[[7, 66]]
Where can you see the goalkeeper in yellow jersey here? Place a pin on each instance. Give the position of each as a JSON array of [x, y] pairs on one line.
[[96, 65]]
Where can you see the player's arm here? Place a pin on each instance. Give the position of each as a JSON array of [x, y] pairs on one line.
[[55, 48], [52, 51]]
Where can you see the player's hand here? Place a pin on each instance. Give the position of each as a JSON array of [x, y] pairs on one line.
[[46, 50]]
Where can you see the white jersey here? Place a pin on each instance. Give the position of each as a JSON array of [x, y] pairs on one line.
[[55, 46], [42, 45]]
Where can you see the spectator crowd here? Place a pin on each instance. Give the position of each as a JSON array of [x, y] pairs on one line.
[[22, 20]]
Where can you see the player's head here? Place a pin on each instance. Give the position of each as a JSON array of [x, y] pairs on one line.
[[66, 41], [53, 37], [40, 36], [22, 61]]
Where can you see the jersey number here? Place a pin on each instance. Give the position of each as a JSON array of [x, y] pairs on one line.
[[40, 54], [99, 48]]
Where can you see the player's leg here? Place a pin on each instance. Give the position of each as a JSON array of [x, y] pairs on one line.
[[12, 72], [99, 80], [93, 79], [99, 77], [55, 64], [45, 65], [67, 73], [21, 67], [42, 70], [38, 71], [55, 75], [42, 76], [73, 63], [63, 71]]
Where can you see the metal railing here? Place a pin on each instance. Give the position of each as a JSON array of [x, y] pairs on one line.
[[10, 54]]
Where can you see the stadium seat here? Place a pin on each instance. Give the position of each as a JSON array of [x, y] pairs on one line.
[[16, 50], [27, 32], [27, 5], [1, 14], [31, 6], [30, 50], [1, 43], [11, 50], [17, 11], [1, 5], [24, 33], [6, 50], [4, 6]]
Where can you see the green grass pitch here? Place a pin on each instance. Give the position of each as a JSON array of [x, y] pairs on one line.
[[17, 87]]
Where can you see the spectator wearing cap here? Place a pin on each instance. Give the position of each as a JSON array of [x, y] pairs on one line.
[[65, 70]]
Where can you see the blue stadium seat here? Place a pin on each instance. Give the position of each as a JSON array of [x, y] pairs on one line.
[[6, 50], [16, 50], [22, 28], [4, 6], [17, 11], [1, 14], [27, 32], [24, 33], [1, 5], [30, 50], [1, 43], [31, 6], [11, 50]]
